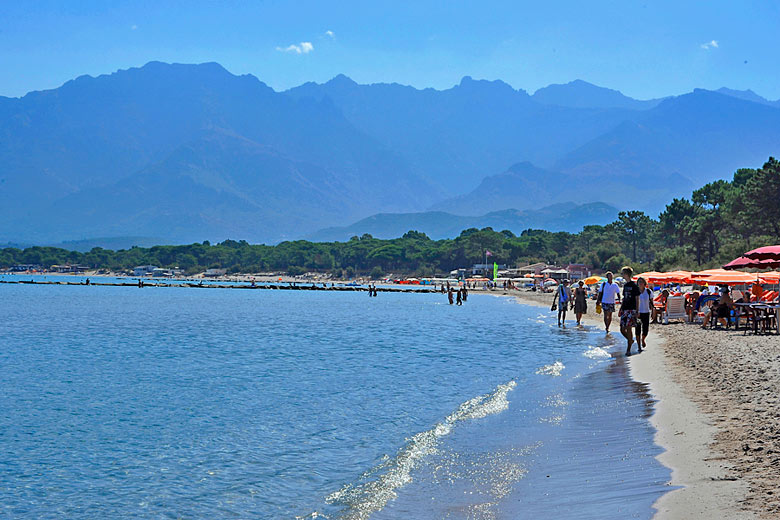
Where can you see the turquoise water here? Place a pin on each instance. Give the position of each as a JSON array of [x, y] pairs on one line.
[[146, 403]]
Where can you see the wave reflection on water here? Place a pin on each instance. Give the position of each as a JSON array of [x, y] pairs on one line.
[[379, 485]]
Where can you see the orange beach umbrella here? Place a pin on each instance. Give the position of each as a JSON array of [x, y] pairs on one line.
[[727, 278], [646, 275], [670, 277], [770, 277]]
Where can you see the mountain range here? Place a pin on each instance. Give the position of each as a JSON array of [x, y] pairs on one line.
[[193, 152], [438, 224]]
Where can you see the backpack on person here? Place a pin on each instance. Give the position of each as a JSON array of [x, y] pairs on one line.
[[599, 296]]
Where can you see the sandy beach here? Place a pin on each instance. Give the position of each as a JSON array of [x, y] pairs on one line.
[[734, 379], [715, 416]]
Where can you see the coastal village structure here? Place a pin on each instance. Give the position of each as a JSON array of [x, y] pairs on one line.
[[144, 270], [69, 268]]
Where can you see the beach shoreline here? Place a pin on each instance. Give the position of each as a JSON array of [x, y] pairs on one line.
[[707, 483]]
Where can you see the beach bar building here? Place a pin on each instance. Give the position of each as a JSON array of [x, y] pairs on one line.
[[532, 269], [556, 273], [68, 268], [485, 269], [578, 271], [144, 270]]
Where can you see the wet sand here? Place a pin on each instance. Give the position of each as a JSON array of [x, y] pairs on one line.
[[716, 416]]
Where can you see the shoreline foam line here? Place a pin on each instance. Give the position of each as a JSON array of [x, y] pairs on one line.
[[685, 434], [379, 485]]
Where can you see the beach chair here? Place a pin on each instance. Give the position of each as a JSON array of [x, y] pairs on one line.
[[675, 309], [703, 305]]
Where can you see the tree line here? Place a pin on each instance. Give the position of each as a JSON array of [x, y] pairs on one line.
[[716, 224]]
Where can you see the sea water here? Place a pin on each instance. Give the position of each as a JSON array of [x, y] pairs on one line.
[[120, 402]]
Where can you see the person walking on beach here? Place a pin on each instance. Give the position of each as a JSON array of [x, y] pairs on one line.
[[450, 296], [629, 308], [561, 301], [643, 322], [608, 296], [459, 300], [580, 301]]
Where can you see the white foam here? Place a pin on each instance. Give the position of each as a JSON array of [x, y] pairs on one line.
[[365, 498], [553, 369], [596, 353]]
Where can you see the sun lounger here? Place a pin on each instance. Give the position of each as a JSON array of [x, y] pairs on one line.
[[703, 305], [675, 309]]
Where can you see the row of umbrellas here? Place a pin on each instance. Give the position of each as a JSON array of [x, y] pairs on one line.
[[709, 277], [762, 258], [767, 257]]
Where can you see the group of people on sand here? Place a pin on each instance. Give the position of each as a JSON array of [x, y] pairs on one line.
[[578, 302], [636, 305]]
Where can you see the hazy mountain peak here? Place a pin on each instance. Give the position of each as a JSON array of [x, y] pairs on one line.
[[568, 216], [467, 82], [581, 94], [341, 80], [747, 95], [522, 166], [156, 74]]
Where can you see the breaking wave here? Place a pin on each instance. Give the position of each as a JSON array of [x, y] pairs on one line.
[[380, 484], [553, 369], [596, 353]]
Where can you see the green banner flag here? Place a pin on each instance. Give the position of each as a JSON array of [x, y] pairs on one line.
[[495, 270]]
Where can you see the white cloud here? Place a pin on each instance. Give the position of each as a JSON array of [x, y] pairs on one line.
[[133, 27], [301, 48], [330, 34], [709, 45]]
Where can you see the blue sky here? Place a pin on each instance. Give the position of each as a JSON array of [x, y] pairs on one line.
[[645, 49]]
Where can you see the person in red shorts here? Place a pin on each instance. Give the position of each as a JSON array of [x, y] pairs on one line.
[[629, 308]]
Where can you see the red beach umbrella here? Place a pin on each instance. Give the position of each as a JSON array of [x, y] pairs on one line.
[[744, 262], [764, 253]]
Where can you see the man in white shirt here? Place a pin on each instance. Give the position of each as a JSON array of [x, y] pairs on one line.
[[609, 295]]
